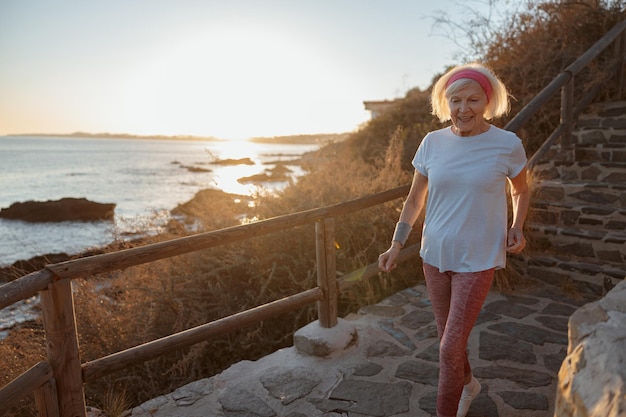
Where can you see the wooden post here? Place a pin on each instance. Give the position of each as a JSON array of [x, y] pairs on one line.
[[57, 305], [326, 271], [567, 112], [46, 400]]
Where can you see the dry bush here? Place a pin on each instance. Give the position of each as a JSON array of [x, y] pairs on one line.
[[411, 115], [22, 349], [535, 45]]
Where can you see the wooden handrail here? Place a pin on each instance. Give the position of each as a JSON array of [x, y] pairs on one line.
[[562, 78], [25, 384], [136, 256], [25, 287], [521, 118], [581, 104], [53, 283], [563, 81], [31, 284], [120, 360], [586, 58]]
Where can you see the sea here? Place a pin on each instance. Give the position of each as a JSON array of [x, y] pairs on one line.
[[145, 178]]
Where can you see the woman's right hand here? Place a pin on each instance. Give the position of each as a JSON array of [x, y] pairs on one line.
[[387, 259], [410, 210]]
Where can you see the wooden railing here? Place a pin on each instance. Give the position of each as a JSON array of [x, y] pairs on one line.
[[571, 108], [57, 384]]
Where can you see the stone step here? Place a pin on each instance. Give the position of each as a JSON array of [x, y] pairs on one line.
[[582, 216], [588, 146], [599, 135], [587, 278], [611, 172], [577, 223], [596, 193], [601, 245], [606, 115], [601, 152]]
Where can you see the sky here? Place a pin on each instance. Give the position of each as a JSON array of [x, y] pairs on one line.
[[231, 69]]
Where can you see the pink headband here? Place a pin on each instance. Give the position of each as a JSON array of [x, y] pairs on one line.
[[477, 76]]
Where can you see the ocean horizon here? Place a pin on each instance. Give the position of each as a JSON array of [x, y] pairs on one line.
[[146, 178]]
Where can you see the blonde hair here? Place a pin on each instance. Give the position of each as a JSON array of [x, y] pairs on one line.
[[498, 102]]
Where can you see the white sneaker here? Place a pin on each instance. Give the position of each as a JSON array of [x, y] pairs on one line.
[[470, 391]]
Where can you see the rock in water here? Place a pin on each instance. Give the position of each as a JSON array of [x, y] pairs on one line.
[[65, 209]]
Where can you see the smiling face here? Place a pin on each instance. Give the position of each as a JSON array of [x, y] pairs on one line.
[[467, 109]]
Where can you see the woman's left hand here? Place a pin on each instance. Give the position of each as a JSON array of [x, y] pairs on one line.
[[515, 240]]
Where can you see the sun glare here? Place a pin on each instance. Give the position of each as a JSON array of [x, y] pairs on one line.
[[232, 82]]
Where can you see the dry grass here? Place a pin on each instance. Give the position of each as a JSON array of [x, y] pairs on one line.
[[116, 402]]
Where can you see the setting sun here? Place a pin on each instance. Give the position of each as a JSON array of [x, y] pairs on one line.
[[232, 81], [231, 70]]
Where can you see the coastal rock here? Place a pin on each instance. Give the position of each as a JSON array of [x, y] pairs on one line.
[[240, 161], [215, 209], [279, 173], [23, 267], [65, 209], [592, 379], [195, 169]]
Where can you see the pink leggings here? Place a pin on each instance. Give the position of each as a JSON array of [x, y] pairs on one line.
[[456, 299]]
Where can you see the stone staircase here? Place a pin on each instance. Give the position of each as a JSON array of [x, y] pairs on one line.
[[577, 221]]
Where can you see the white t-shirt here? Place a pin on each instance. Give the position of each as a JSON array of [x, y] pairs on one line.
[[465, 227]]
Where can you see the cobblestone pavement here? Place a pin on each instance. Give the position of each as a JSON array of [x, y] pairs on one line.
[[390, 368]]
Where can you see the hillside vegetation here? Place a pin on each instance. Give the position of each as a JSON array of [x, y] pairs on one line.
[[139, 304]]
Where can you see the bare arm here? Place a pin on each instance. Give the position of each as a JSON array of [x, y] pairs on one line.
[[411, 209], [415, 199], [520, 198]]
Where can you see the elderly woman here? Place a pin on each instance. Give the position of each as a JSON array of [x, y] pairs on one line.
[[464, 169]]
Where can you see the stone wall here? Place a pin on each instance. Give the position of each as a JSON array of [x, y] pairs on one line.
[[592, 378], [577, 223]]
